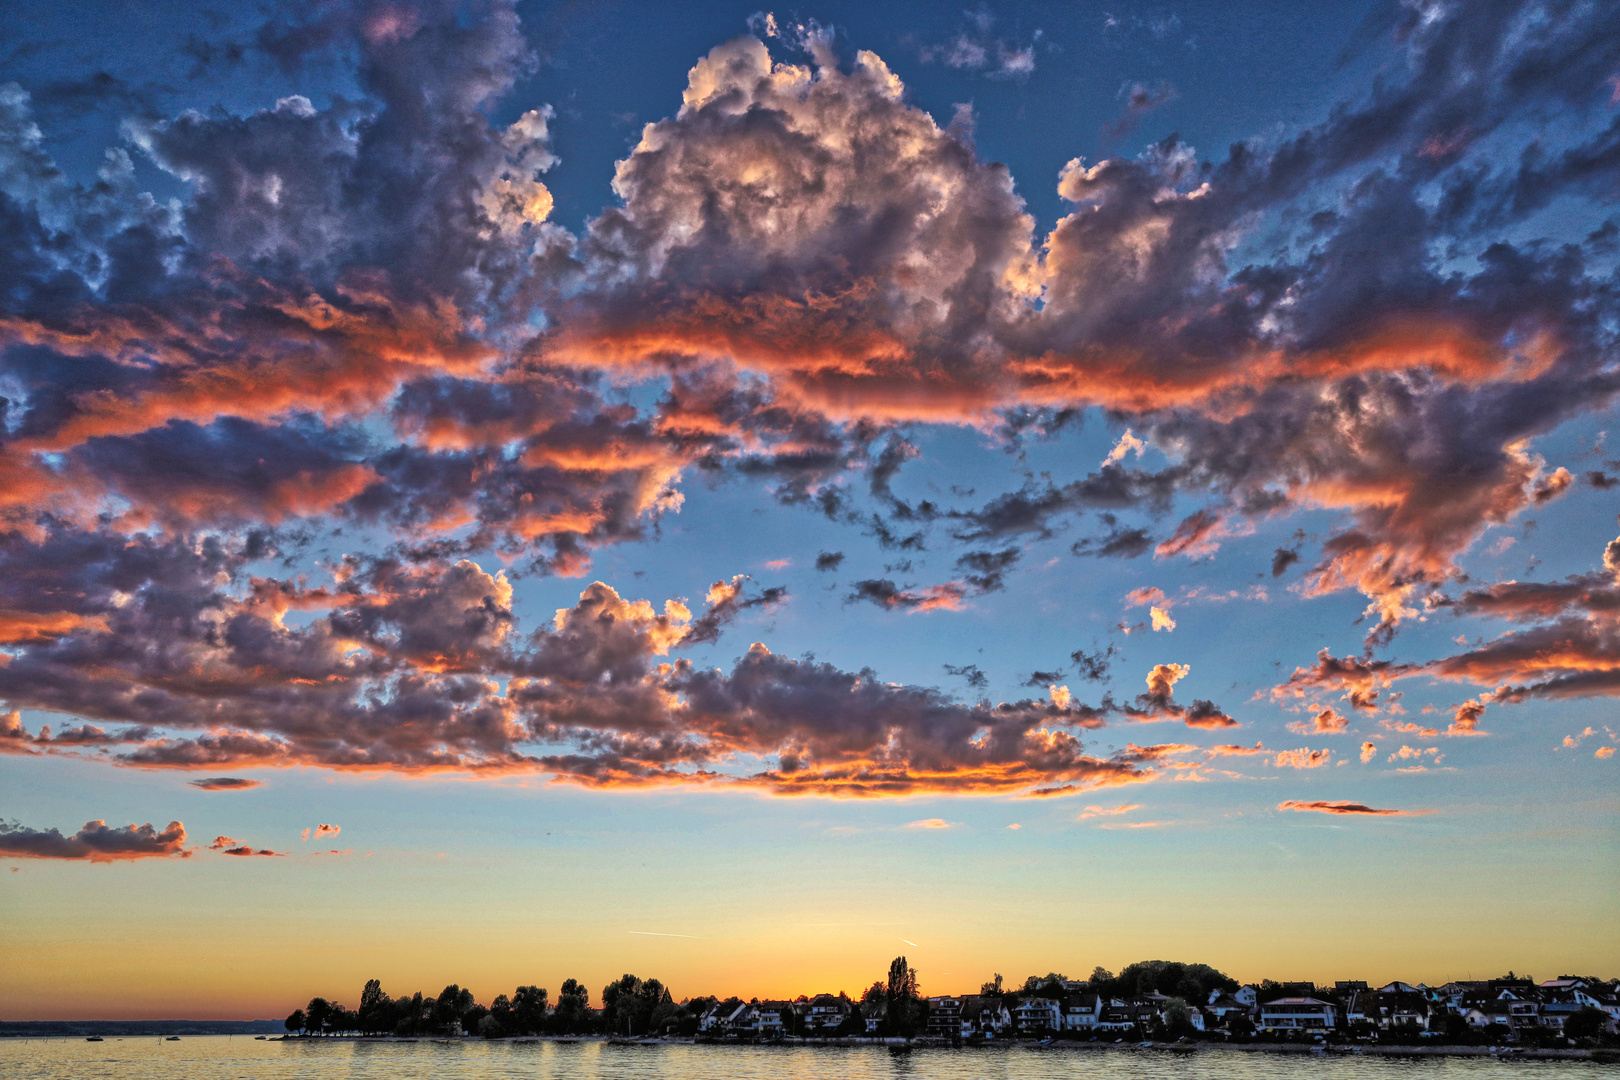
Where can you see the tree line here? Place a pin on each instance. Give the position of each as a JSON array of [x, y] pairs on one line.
[[634, 1006], [630, 1006]]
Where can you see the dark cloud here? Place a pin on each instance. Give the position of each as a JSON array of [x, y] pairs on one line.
[[226, 783], [1282, 559], [96, 842], [1352, 808], [975, 678], [987, 571], [829, 560], [1043, 678], [1121, 543], [1093, 666], [885, 593]]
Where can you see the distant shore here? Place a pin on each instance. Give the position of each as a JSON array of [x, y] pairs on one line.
[[1506, 1053]]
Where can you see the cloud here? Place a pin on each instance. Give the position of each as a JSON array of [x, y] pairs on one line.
[[1351, 808], [1156, 704], [1302, 758], [884, 593], [1104, 811], [1093, 666], [95, 842], [1326, 721], [1603, 752], [1232, 749], [975, 678], [226, 845], [1368, 752], [319, 831], [1572, 649], [929, 823], [829, 560], [1465, 720], [358, 316], [1127, 443], [1140, 100], [225, 783]]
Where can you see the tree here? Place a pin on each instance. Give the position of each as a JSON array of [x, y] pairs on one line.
[[1178, 1019], [622, 1005], [316, 1014], [992, 989], [376, 1010], [905, 1013], [1587, 1022], [452, 1005], [873, 994], [499, 1019], [296, 1021], [572, 1015], [528, 1010]]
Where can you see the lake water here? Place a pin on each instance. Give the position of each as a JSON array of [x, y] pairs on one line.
[[221, 1058]]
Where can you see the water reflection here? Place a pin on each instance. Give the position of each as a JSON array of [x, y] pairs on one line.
[[219, 1057]]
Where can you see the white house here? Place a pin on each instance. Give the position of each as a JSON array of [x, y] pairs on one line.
[[1295, 1013], [1038, 1014], [1082, 1013]]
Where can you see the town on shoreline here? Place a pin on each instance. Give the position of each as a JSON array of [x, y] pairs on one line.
[[1152, 1001]]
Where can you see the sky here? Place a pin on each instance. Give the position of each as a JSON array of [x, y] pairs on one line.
[[497, 492]]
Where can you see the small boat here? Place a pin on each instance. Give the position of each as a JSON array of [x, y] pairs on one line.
[[95, 1038], [172, 1038]]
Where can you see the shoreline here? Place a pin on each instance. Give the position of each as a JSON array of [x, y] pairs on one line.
[[1503, 1053]]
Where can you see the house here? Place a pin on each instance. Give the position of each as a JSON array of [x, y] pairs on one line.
[[1082, 1012], [1505, 1008], [713, 1021], [1222, 1006], [945, 1017], [1038, 1014], [1389, 1007], [768, 1021], [874, 1012], [825, 1013], [1558, 1006], [985, 1017], [1295, 1013], [1119, 1018]]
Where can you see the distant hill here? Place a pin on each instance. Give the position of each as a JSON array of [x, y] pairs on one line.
[[64, 1028]]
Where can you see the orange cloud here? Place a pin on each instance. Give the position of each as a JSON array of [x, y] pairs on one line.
[[1352, 808], [1233, 750], [1302, 758]]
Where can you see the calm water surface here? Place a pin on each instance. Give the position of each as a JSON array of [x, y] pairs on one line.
[[221, 1058]]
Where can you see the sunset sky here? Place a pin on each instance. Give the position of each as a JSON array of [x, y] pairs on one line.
[[499, 492]]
